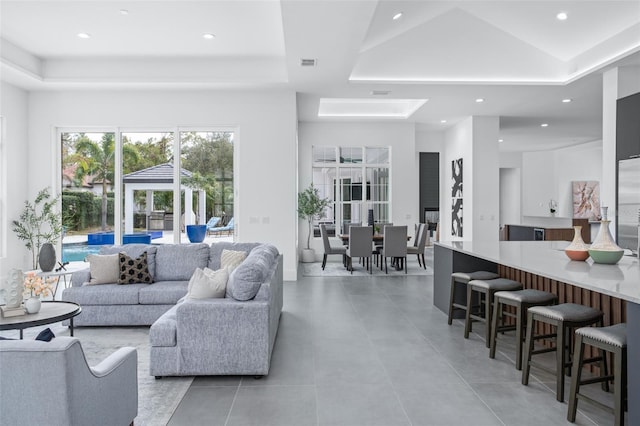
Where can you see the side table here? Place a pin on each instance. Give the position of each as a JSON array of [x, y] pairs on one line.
[[63, 273]]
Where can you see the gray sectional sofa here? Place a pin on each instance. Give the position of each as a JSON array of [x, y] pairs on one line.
[[233, 335]]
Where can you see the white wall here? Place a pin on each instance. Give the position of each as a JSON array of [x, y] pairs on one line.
[[475, 140], [429, 141], [548, 174], [539, 183], [16, 172], [510, 195], [266, 141], [458, 144], [404, 163]]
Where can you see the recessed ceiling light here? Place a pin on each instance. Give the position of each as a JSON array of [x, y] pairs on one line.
[[208, 36], [480, 100], [124, 12], [84, 35], [544, 125], [567, 100], [500, 140], [562, 16], [443, 121], [397, 16]]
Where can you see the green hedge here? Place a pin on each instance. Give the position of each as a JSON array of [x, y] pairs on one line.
[[82, 210]]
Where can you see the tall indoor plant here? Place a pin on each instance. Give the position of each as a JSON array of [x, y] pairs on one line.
[[310, 205], [39, 223]]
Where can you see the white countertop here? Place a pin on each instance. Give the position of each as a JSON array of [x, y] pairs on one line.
[[547, 258]]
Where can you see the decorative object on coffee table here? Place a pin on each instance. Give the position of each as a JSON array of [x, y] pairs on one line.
[[12, 294], [604, 249], [32, 304], [577, 250], [36, 286]]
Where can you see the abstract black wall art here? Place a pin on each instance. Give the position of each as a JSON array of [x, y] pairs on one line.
[[456, 217], [456, 195], [456, 175]]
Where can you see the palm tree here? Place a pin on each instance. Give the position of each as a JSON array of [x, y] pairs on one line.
[[97, 159]]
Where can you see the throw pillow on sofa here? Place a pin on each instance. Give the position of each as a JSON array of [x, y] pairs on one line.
[[134, 270], [230, 259], [205, 283], [103, 268], [135, 250]]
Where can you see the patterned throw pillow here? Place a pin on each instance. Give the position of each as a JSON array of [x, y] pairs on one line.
[[134, 270], [230, 259]]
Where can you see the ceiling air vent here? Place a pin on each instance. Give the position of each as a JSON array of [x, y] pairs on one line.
[[380, 92], [307, 62]]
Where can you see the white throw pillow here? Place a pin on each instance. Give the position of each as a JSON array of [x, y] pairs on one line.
[[205, 284], [104, 268], [230, 259]]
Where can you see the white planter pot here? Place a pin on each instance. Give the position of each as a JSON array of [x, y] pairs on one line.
[[308, 255]]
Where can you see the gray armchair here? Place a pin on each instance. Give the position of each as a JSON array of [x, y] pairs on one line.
[[51, 383]]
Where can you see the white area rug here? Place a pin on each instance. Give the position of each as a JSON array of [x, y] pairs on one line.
[[335, 269], [157, 399]]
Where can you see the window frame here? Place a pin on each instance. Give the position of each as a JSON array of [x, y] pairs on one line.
[[336, 214], [118, 189]]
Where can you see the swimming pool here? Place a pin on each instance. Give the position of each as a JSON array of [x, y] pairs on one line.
[[77, 252]]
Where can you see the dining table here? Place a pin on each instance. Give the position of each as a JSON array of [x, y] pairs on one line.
[[378, 239]]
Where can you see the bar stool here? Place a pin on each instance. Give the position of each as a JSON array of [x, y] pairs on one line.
[[565, 317], [464, 278], [612, 339], [521, 300], [488, 288]]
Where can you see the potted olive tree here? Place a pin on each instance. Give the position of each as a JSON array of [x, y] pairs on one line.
[[40, 226], [310, 206]]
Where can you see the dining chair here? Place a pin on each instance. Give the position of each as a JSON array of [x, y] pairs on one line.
[[360, 245], [378, 245], [421, 241], [329, 249], [395, 245], [347, 225]]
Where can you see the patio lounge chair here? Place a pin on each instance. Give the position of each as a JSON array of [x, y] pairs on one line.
[[228, 228], [212, 223]]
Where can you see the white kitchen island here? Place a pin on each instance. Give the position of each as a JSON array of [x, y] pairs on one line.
[[615, 289]]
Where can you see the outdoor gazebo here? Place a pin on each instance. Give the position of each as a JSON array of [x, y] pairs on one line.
[[159, 178]]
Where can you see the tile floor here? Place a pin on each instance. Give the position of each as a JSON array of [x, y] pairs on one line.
[[375, 351]]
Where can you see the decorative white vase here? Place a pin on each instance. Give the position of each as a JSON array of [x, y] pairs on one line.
[[12, 293], [604, 249], [308, 255], [32, 305], [578, 249]]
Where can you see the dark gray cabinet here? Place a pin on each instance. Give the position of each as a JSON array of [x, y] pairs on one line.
[[628, 127]]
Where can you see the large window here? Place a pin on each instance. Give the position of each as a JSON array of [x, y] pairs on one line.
[[129, 178], [356, 180], [88, 167]]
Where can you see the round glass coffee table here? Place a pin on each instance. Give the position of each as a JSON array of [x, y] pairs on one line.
[[49, 313]]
